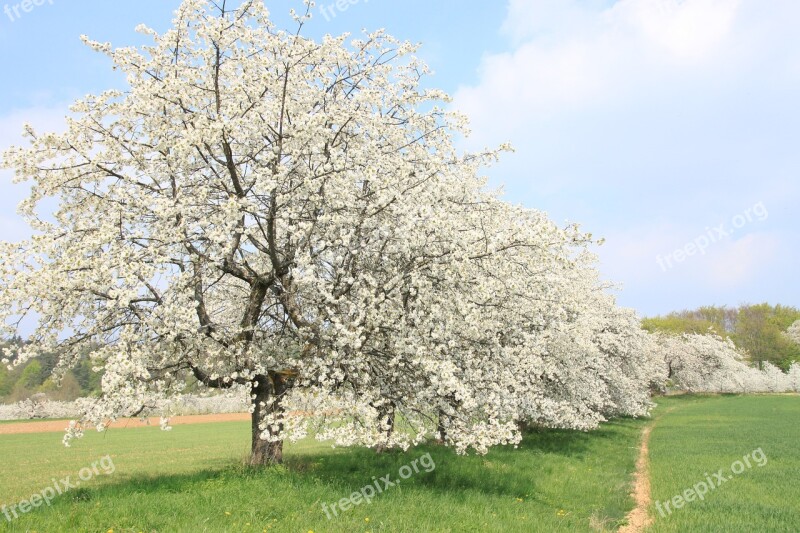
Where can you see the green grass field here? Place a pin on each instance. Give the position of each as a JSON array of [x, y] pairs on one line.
[[696, 437], [192, 478]]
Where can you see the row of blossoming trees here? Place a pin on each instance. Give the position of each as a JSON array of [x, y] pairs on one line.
[[260, 210], [708, 363]]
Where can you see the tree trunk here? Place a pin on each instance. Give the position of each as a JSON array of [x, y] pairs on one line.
[[269, 391], [389, 417], [441, 428]]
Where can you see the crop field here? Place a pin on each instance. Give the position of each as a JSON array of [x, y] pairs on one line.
[[750, 442]]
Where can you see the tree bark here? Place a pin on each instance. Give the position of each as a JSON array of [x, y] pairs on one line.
[[269, 391], [441, 428], [389, 418]]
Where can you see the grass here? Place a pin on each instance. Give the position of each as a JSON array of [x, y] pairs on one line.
[[698, 436], [31, 420], [192, 479]]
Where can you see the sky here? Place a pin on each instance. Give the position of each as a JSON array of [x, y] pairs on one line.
[[670, 128]]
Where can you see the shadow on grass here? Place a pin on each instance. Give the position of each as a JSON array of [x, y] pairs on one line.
[[504, 471]]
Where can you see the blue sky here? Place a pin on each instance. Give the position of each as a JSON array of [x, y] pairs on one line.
[[660, 125]]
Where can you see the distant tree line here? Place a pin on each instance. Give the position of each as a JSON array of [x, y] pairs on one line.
[[759, 330], [22, 382]]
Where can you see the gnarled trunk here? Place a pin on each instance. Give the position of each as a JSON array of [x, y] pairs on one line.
[[269, 391], [388, 416]]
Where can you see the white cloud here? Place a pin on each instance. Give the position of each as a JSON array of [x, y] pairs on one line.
[[752, 267], [646, 256], [548, 18], [741, 261], [688, 32], [571, 56], [646, 120]]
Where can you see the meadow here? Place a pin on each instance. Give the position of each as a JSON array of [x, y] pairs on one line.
[[193, 479]]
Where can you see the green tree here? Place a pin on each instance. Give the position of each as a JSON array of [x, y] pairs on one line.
[[88, 379], [6, 383], [760, 330], [723, 318], [68, 390], [680, 322], [32, 375]]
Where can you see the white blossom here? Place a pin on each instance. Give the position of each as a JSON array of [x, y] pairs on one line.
[[260, 210]]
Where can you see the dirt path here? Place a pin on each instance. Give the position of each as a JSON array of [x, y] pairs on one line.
[[48, 426], [639, 518]]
